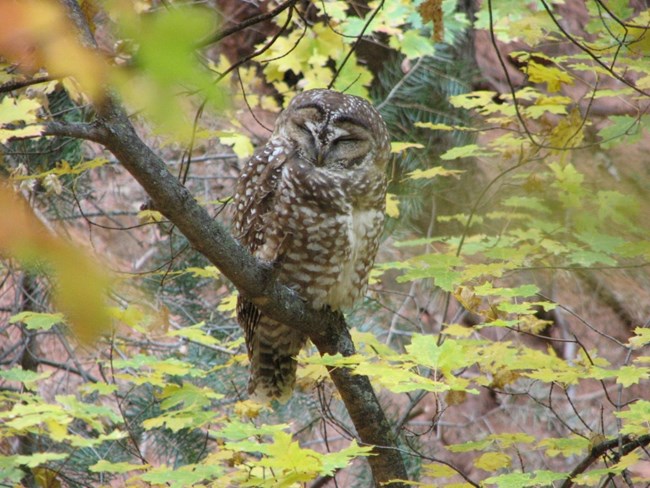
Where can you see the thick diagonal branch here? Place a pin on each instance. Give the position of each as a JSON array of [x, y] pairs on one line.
[[327, 330]]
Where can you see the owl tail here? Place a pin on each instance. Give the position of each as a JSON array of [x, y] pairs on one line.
[[272, 350]]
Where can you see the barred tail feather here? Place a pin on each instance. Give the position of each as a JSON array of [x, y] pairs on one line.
[[272, 349]]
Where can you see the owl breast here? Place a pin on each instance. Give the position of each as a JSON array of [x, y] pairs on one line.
[[311, 204], [363, 227], [328, 235]]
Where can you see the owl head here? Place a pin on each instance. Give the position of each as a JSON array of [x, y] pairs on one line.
[[335, 131]]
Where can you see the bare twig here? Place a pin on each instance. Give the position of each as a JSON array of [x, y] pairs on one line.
[[248, 22], [356, 43], [18, 84], [590, 53], [261, 50]]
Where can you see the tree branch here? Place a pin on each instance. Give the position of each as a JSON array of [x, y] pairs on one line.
[[89, 132], [255, 280], [327, 330], [248, 22], [18, 84], [629, 444]]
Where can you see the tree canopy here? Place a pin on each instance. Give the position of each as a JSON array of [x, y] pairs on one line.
[[505, 338]]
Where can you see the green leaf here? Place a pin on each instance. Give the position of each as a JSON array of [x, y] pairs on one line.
[[475, 99], [530, 203], [335, 9], [241, 143], [205, 272], [469, 150], [445, 278], [440, 267], [486, 289], [444, 127], [184, 476], [286, 454], [187, 395], [187, 418], [622, 128], [641, 338], [412, 45], [37, 320], [568, 180], [601, 242], [553, 105], [14, 110], [419, 174], [546, 478], [34, 460], [18, 111], [236, 430], [20, 132], [333, 461], [28, 378], [566, 446], [194, 333], [435, 470], [336, 360], [398, 147], [492, 461], [399, 378], [104, 466], [522, 480], [80, 441], [99, 387], [524, 308], [132, 316], [229, 304], [636, 419], [471, 446], [93, 415], [165, 64], [631, 375], [589, 258], [450, 355]]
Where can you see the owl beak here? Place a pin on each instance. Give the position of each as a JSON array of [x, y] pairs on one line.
[[321, 150], [320, 159]]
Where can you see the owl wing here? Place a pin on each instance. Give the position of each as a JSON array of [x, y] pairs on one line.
[[255, 195], [270, 345]]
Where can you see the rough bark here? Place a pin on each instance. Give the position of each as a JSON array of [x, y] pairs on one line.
[[327, 330]]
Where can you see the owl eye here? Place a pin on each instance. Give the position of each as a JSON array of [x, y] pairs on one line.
[[302, 127], [347, 139], [355, 161]]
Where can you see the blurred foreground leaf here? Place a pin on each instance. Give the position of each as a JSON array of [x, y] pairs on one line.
[[79, 285]]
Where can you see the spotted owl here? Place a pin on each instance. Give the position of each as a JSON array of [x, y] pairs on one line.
[[310, 202]]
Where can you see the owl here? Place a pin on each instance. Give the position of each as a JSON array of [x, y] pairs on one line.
[[311, 202]]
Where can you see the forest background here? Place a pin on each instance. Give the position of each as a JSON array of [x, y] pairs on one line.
[[504, 340]]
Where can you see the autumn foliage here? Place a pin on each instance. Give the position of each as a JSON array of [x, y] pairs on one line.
[[506, 333]]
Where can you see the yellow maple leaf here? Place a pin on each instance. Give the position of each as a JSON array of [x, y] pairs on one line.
[[553, 77], [491, 461], [392, 205]]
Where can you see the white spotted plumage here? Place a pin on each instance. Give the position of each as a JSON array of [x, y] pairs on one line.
[[311, 201]]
